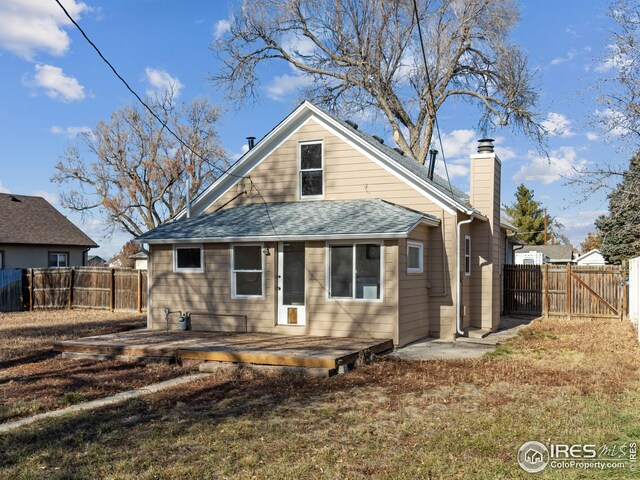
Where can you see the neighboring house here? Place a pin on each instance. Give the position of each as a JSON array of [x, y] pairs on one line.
[[558, 254], [140, 260], [33, 234], [321, 229], [593, 257], [115, 262], [96, 261]]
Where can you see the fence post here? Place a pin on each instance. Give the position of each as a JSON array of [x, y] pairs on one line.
[[623, 282], [31, 290], [139, 291], [546, 290], [71, 289], [113, 289], [569, 291]]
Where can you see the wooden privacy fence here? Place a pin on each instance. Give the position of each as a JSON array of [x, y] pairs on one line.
[[596, 291], [86, 287]]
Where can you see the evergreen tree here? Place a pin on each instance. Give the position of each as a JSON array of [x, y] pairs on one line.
[[528, 216], [620, 229]]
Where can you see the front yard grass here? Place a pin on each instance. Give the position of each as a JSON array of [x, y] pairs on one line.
[[34, 378], [560, 381]]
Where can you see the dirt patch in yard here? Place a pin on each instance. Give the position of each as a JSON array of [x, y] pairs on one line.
[[34, 378]]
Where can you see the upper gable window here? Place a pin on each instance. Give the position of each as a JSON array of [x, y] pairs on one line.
[[311, 170]]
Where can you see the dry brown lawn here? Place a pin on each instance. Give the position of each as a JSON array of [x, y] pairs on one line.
[[558, 381], [34, 378]]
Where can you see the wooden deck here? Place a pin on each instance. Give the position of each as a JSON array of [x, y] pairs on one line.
[[253, 348]]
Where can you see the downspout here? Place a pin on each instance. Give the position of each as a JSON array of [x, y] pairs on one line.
[[459, 278]]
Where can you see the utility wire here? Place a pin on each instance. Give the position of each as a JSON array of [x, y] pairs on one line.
[[163, 123], [433, 103]]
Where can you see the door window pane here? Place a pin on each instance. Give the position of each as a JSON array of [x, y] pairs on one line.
[[293, 274]]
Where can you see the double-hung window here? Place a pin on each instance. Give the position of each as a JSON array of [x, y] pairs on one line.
[[414, 257], [311, 175], [247, 271], [58, 259], [467, 255], [355, 271], [188, 259]]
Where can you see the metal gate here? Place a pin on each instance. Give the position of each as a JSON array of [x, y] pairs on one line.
[[10, 290]]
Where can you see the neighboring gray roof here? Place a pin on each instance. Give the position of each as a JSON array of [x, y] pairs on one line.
[[554, 252], [322, 218], [26, 220], [407, 163], [139, 256]]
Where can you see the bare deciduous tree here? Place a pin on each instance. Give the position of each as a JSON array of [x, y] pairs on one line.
[[133, 172], [360, 55]]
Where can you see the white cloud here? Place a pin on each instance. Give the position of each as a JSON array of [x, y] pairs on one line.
[[236, 156], [281, 86], [455, 170], [615, 59], [557, 124], [562, 163], [69, 131], [3, 189], [220, 28], [459, 143], [298, 45], [592, 137], [571, 54], [56, 84], [29, 26], [52, 198], [161, 81], [614, 122], [504, 153]]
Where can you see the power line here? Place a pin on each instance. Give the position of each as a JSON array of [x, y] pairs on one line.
[[433, 103], [163, 123]]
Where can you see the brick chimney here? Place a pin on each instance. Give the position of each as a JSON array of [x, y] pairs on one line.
[[486, 241]]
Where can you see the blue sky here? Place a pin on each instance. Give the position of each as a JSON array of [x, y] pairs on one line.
[[54, 86]]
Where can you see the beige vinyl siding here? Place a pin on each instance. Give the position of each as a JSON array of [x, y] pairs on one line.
[[210, 292], [207, 295], [413, 290], [348, 175]]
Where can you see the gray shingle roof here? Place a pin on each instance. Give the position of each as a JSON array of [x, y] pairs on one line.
[[554, 252], [34, 221], [323, 218], [407, 163]]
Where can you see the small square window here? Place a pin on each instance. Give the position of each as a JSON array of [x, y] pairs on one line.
[[414, 257], [188, 259]]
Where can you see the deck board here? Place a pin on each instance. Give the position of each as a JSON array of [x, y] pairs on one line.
[[255, 348]]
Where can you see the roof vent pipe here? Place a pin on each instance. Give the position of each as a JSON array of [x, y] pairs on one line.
[[251, 142], [379, 139], [352, 124], [399, 150], [432, 163], [485, 145]]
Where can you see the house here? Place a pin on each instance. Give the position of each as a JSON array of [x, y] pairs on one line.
[[96, 261], [322, 229], [558, 254], [592, 257], [33, 234], [140, 260]]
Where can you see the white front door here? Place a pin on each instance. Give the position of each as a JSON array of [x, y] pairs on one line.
[[291, 284]]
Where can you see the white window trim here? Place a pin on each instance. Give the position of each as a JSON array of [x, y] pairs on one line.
[[176, 269], [467, 273], [328, 296], [420, 247], [234, 271], [300, 144]]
